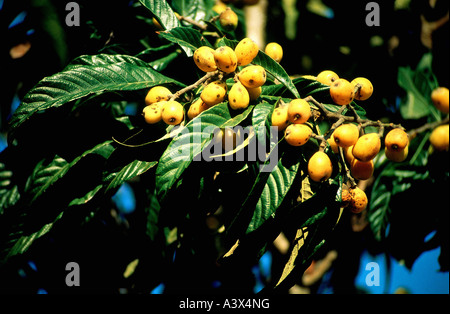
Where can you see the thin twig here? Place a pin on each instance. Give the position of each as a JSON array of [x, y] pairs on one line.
[[347, 170], [202, 27], [205, 78], [428, 126]]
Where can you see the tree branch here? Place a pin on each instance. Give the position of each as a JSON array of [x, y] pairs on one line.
[[205, 78]]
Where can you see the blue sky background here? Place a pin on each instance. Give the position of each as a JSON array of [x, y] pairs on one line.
[[424, 277]]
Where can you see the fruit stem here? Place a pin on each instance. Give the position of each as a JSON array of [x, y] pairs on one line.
[[206, 77], [428, 126], [347, 170], [357, 89], [322, 139], [194, 22]]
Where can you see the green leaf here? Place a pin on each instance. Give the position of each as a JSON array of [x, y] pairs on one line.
[[261, 120], [416, 105], [162, 12], [161, 64], [190, 142], [418, 84], [277, 71], [311, 236], [152, 210], [87, 197], [188, 38], [278, 184], [44, 175], [195, 9], [393, 179], [87, 76], [47, 173], [9, 192], [133, 169], [102, 60], [23, 243]]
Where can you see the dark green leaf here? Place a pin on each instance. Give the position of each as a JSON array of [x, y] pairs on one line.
[[161, 64], [261, 120], [162, 12], [190, 142], [128, 172], [87, 77], [277, 71], [9, 192], [47, 173], [188, 38], [22, 244], [415, 106], [277, 185], [195, 9]]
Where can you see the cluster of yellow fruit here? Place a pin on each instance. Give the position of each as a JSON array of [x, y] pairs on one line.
[[439, 138], [349, 139], [248, 81], [159, 106], [343, 91], [359, 150], [246, 88]]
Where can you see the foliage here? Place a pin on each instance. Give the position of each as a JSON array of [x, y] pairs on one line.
[[81, 145]]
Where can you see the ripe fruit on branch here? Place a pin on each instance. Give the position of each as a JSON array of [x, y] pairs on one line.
[[246, 51], [361, 170], [153, 113], [365, 89], [346, 135], [358, 201], [275, 51], [297, 134], [396, 140], [196, 108], [219, 7], [327, 77], [440, 98], [228, 20], [299, 111], [320, 167], [238, 97], [367, 147], [348, 154], [280, 118], [214, 93], [342, 92], [334, 146], [253, 76], [157, 94], [439, 138], [172, 112], [204, 59], [346, 197], [397, 155], [254, 93], [226, 59]]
